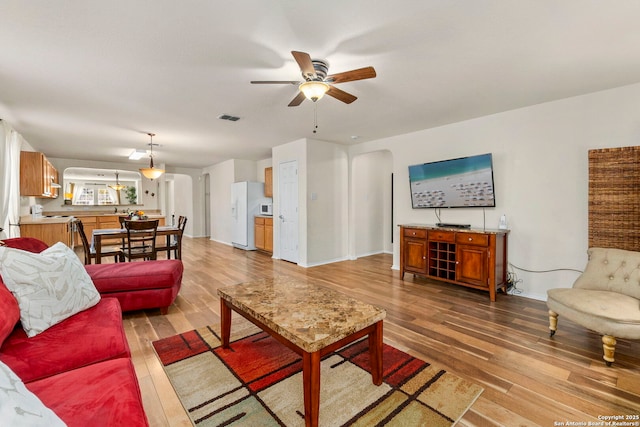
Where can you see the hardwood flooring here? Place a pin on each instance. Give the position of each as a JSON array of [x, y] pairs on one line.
[[529, 379]]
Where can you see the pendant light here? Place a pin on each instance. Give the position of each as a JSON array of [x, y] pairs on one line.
[[117, 185], [151, 172]]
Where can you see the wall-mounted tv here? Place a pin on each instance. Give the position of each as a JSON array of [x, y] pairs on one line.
[[466, 182]]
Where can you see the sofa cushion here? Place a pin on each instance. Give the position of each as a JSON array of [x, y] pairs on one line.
[[9, 312], [91, 336], [100, 395], [19, 406], [134, 276], [50, 286], [605, 312], [25, 243]]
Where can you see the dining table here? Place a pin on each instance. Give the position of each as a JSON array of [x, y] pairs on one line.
[[100, 234]]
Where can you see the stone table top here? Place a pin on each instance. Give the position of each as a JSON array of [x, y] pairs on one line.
[[305, 313]]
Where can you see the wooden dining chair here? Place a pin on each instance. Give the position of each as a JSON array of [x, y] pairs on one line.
[[174, 241], [90, 252], [141, 239]]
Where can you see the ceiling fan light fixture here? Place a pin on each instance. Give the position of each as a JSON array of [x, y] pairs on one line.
[[151, 172], [314, 90]]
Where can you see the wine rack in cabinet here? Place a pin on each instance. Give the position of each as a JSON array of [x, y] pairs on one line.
[[472, 258]]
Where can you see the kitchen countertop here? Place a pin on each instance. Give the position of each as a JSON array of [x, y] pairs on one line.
[[27, 219]]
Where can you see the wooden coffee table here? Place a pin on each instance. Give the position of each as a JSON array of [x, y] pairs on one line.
[[309, 319]]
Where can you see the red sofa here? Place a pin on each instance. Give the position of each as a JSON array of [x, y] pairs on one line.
[[136, 285], [81, 367]]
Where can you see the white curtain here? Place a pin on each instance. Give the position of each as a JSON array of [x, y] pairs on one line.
[[10, 143]]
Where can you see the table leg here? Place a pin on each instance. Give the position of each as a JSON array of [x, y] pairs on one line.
[[375, 353], [225, 323], [97, 242], [179, 249], [311, 386]]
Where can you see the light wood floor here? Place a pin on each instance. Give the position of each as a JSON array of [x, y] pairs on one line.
[[528, 378]]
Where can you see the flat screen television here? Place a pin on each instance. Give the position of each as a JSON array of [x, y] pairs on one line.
[[466, 182]]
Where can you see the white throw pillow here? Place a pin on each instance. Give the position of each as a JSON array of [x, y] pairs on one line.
[[21, 408], [50, 286]]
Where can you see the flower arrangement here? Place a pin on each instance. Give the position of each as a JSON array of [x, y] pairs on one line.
[[137, 215]]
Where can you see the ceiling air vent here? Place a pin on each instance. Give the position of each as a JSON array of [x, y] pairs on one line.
[[228, 117]]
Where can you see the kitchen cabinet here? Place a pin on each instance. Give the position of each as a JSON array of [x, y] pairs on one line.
[[38, 177], [268, 182], [49, 231], [263, 233], [471, 258]]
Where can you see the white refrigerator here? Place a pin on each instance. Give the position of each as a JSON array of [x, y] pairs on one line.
[[245, 202]]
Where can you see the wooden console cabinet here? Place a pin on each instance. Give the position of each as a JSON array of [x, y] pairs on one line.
[[466, 257]]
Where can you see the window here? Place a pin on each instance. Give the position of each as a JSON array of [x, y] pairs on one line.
[[89, 196], [105, 197], [85, 197]]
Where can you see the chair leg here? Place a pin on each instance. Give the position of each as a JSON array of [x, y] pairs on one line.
[[553, 322], [609, 347]]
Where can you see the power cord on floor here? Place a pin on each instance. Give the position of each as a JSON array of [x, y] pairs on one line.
[[513, 280], [512, 283]]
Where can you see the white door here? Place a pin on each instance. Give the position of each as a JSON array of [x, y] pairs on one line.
[[288, 215]]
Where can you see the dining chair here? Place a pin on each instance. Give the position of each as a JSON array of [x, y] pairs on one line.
[[90, 252], [174, 241], [141, 239]]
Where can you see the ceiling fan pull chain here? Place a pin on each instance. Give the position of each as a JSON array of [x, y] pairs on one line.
[[315, 117]]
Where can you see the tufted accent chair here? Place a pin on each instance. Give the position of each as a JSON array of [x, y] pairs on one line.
[[605, 298]]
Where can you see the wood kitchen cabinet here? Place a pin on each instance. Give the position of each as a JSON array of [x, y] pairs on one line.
[[268, 182], [263, 233], [49, 232], [37, 175], [472, 258]]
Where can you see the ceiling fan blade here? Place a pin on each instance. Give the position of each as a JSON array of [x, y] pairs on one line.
[[297, 100], [274, 82], [306, 65], [348, 76], [341, 95]]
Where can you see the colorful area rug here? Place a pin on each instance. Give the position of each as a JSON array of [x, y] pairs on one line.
[[258, 382]]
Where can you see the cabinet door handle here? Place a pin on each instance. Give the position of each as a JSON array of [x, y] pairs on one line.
[[470, 239]]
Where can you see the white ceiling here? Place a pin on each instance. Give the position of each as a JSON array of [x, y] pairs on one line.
[[87, 79]]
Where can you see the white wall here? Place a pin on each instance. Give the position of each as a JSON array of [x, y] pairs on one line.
[[245, 170], [370, 203], [183, 196], [540, 171], [327, 202], [222, 176], [260, 167]]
